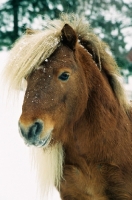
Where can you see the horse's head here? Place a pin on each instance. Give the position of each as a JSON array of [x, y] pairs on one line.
[[65, 66], [56, 95]]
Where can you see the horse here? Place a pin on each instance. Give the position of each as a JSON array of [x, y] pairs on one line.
[[75, 114]]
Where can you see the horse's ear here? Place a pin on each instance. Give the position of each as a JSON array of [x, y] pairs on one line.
[[90, 46], [69, 36]]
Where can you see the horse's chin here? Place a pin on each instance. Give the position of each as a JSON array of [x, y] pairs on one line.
[[40, 143], [44, 142]]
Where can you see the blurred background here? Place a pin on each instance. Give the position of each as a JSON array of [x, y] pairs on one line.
[[111, 20]]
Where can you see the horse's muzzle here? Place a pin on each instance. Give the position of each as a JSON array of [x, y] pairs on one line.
[[31, 134]]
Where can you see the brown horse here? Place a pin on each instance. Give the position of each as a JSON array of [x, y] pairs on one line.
[[74, 110]]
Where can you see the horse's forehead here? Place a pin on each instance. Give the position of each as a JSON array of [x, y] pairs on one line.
[[62, 52], [61, 57]]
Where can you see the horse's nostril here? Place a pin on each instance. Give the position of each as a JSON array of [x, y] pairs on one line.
[[35, 130], [31, 132]]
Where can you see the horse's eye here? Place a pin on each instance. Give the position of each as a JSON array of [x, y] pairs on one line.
[[64, 76]]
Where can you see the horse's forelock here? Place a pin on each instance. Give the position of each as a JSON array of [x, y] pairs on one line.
[[28, 53], [35, 46]]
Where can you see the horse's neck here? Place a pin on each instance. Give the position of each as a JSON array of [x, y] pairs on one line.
[[102, 127], [98, 135], [103, 108]]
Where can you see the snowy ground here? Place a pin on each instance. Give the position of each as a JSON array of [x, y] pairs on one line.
[[17, 176]]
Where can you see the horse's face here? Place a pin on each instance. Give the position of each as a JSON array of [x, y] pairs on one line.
[[55, 98]]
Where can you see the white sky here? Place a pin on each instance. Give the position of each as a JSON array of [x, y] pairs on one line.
[[2, 1]]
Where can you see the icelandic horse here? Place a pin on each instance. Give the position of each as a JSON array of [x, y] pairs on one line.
[[75, 113]]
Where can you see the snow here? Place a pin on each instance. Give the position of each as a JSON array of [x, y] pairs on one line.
[[17, 175], [46, 60]]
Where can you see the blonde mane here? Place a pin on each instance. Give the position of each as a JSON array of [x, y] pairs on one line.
[[36, 46], [49, 165]]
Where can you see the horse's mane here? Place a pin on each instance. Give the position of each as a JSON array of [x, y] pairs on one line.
[[36, 46]]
